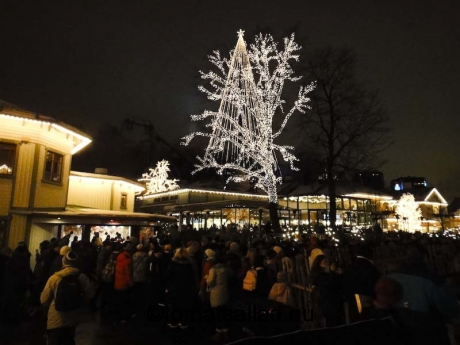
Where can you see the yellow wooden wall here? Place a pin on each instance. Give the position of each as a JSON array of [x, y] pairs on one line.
[[6, 188], [50, 195], [17, 231]]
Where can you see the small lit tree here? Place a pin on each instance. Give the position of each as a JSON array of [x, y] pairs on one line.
[[409, 211], [242, 140], [157, 179]]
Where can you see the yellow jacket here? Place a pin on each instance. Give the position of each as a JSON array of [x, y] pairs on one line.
[[59, 319]]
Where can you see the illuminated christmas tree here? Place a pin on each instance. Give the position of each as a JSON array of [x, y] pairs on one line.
[[157, 179], [242, 134], [409, 212]]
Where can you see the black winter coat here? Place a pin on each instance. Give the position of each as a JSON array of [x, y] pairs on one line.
[[360, 278], [180, 283]]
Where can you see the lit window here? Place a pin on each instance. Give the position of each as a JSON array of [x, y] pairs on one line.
[[53, 167], [7, 154], [124, 200]]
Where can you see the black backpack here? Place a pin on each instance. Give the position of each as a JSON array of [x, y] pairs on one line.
[[69, 294]]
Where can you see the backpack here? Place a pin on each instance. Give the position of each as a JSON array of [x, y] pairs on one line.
[[68, 294], [250, 281], [108, 273]]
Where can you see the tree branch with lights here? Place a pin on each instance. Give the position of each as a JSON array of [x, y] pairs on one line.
[[242, 135], [156, 180]]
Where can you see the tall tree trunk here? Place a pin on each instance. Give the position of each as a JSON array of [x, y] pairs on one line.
[[332, 204], [273, 207], [274, 218]]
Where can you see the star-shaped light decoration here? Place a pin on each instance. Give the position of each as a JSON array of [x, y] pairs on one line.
[[240, 33]]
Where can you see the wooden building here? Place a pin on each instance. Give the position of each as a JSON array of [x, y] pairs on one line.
[[41, 198]]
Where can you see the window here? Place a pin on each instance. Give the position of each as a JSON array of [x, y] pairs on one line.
[[124, 200], [7, 154], [53, 167], [339, 203]]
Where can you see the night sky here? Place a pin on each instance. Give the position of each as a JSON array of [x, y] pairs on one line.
[[93, 62]]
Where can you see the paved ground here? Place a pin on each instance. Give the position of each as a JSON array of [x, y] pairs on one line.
[[138, 330]]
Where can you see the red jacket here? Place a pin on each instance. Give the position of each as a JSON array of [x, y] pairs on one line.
[[124, 272]]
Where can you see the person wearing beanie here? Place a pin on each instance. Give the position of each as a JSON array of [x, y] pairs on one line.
[[281, 291], [98, 242], [18, 277], [427, 307], [123, 283], [167, 255], [235, 262], [57, 263], [61, 325], [210, 259], [48, 257], [284, 263], [180, 285], [218, 281], [140, 276]]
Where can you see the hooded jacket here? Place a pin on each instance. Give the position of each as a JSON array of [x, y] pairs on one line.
[[180, 282], [206, 267], [282, 293], [57, 319], [140, 267], [218, 280], [124, 271]]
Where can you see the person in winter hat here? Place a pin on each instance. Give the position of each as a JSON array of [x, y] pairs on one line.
[[281, 291], [140, 270], [210, 258], [123, 283], [61, 324], [284, 263], [57, 263], [180, 286], [18, 277], [218, 281]]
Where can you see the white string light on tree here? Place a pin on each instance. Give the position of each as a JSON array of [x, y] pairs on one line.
[[242, 136], [157, 179], [409, 212]]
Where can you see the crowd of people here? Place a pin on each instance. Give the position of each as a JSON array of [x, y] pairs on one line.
[[121, 278]]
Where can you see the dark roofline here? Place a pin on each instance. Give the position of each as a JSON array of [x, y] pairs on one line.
[[14, 110]]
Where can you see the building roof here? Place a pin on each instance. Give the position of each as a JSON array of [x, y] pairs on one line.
[[342, 188], [85, 215], [12, 110], [423, 194], [139, 186], [217, 205]]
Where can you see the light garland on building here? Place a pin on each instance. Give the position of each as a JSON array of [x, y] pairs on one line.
[[5, 169], [242, 138], [157, 179], [79, 141], [203, 191], [409, 212]]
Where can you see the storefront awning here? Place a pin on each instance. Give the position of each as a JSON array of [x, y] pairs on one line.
[[217, 205], [81, 215]]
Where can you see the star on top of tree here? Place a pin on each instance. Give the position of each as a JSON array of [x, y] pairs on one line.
[[241, 33]]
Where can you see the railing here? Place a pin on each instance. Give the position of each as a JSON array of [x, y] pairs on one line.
[[440, 261]]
